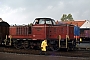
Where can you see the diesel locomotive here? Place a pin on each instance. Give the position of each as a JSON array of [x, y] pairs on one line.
[[31, 36]]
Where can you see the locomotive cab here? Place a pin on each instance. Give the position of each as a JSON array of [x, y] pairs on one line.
[[44, 21], [40, 28]]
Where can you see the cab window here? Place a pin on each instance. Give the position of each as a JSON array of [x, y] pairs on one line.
[[48, 22], [42, 21]]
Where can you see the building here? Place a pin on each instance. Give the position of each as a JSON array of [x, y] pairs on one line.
[[79, 23]]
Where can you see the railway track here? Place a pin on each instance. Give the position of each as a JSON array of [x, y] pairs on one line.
[[76, 53]]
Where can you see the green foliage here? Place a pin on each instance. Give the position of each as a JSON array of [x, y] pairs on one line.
[[67, 17], [64, 17], [30, 24]]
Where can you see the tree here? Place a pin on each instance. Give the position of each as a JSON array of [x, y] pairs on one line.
[[64, 17], [67, 17], [30, 24]]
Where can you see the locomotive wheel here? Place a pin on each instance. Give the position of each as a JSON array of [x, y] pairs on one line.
[[18, 44], [54, 46], [26, 45]]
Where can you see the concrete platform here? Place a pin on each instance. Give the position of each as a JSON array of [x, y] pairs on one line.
[[84, 45]]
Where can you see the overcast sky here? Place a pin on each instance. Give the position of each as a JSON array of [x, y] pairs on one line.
[[25, 11]]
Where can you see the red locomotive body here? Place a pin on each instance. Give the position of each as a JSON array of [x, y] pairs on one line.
[[38, 32], [58, 36], [20, 32], [62, 30]]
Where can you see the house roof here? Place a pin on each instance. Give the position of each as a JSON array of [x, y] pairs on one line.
[[79, 23], [86, 24]]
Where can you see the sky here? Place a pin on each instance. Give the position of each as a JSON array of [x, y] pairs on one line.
[[25, 11]]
